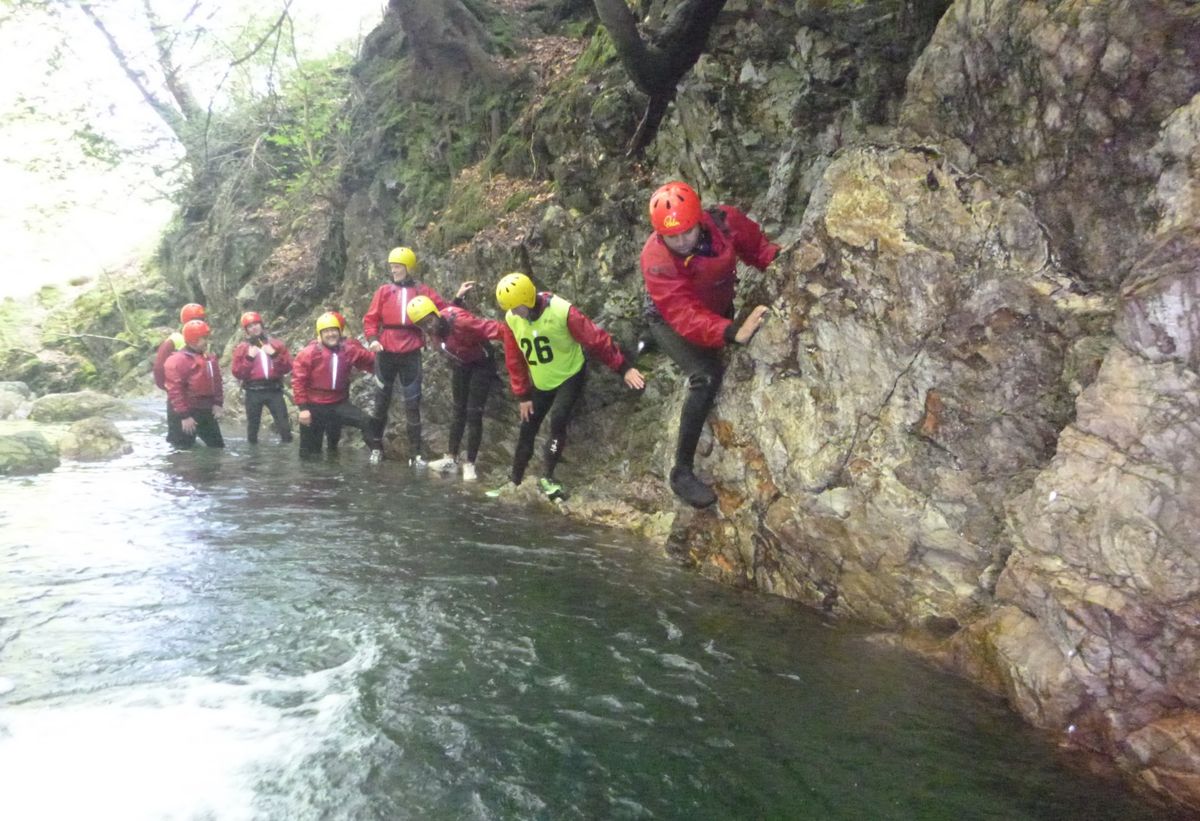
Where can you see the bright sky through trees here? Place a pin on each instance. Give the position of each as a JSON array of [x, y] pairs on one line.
[[65, 214]]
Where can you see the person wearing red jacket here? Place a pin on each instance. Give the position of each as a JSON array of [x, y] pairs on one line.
[[174, 342], [544, 342], [463, 338], [194, 391], [689, 265], [397, 342], [321, 386], [261, 362]]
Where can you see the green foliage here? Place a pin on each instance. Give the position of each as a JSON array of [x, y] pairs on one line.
[[310, 133], [112, 326], [465, 216]]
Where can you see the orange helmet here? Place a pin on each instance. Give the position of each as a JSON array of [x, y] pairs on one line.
[[674, 208], [194, 330], [341, 319], [250, 317], [193, 310]]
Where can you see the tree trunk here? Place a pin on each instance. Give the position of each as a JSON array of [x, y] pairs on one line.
[[448, 41], [657, 66]]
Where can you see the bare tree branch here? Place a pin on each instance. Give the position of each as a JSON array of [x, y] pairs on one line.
[[171, 117]]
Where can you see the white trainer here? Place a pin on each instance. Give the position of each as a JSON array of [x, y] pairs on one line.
[[446, 464], [376, 456], [418, 461], [469, 474]]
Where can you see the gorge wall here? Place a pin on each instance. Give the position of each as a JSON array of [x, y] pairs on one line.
[[974, 415]]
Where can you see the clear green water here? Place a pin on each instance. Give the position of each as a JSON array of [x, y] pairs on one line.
[[229, 635]]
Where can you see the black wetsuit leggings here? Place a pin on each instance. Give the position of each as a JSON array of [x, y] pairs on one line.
[[272, 398], [325, 417], [563, 400], [207, 429], [469, 386], [704, 368], [407, 367]]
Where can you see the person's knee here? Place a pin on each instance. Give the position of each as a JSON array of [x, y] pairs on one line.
[[704, 382]]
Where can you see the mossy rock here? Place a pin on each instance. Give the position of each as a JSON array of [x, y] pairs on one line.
[[93, 439], [26, 452], [69, 407]]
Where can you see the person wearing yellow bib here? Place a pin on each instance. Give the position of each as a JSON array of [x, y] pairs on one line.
[[545, 338]]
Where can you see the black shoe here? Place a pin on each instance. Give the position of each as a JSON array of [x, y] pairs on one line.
[[690, 489]]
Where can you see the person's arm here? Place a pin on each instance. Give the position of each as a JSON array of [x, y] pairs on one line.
[[435, 296], [176, 371], [283, 357], [360, 358], [492, 329], [518, 368], [464, 288], [218, 383], [371, 319], [751, 244], [679, 306], [160, 362], [241, 363], [596, 341], [478, 326], [300, 376]]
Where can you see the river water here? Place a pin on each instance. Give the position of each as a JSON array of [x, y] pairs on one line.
[[232, 635]]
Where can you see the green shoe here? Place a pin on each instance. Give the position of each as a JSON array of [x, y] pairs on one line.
[[553, 490], [496, 493]]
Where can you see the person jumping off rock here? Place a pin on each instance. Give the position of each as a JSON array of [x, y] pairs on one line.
[[689, 265]]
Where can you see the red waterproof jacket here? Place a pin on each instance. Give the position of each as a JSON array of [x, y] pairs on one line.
[[193, 381], [261, 368], [465, 340], [170, 345], [321, 375], [594, 339], [387, 318], [694, 294]]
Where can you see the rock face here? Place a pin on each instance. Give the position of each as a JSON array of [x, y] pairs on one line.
[[975, 410], [70, 407], [1107, 564], [26, 452], [93, 439]]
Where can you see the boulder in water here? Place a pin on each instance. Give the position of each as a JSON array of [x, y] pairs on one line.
[[69, 407], [93, 439], [14, 402], [26, 452]]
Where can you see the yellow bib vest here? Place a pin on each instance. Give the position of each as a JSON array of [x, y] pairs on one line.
[[552, 354], [177, 339]]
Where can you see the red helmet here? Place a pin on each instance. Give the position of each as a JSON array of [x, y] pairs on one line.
[[674, 208], [341, 319], [194, 330], [193, 310], [249, 318]]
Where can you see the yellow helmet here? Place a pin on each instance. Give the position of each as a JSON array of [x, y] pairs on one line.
[[404, 256], [420, 307], [326, 321], [515, 289]]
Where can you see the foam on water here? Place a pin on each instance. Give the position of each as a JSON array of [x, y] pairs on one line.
[[189, 748]]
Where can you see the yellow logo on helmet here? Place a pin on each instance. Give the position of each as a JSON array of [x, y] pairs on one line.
[[671, 221]]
